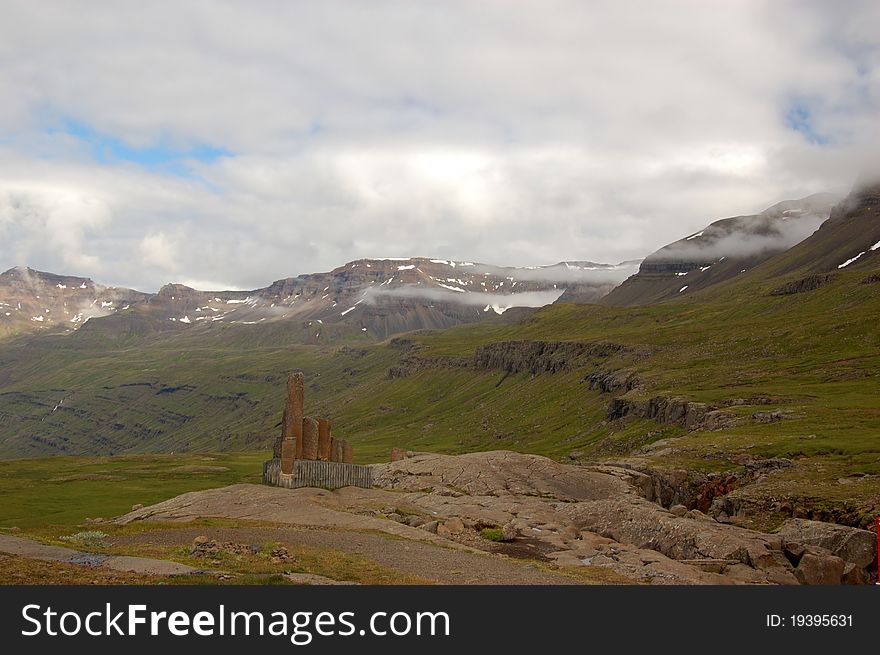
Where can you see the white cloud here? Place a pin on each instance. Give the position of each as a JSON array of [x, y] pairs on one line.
[[508, 134], [54, 223], [158, 250]]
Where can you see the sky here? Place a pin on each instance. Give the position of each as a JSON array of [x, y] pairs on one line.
[[229, 144]]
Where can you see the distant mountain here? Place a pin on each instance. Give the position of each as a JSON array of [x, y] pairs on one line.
[[722, 250], [33, 300], [367, 297], [848, 240]]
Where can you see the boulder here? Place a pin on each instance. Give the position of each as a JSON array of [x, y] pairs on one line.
[[853, 574], [450, 527], [430, 526], [817, 568], [850, 544], [509, 532], [570, 533], [693, 536]]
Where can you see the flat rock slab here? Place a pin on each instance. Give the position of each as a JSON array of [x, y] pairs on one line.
[[313, 579], [149, 566], [499, 473], [35, 550], [305, 506]]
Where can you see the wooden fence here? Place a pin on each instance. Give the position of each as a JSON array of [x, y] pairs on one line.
[[314, 473]]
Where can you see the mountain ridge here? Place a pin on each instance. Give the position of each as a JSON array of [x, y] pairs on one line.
[[377, 297], [722, 250]]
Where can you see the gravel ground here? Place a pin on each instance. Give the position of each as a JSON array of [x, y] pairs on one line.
[[442, 565]]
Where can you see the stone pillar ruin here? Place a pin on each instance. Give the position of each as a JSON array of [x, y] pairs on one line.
[[324, 439], [276, 446], [288, 452], [292, 422], [295, 402], [309, 438], [306, 454]]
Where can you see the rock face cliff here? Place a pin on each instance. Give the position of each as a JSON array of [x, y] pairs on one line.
[[722, 250]]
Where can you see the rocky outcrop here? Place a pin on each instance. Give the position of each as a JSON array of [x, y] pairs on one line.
[[570, 516], [517, 357], [611, 381], [574, 508], [693, 536], [498, 473], [815, 566], [808, 283], [672, 411], [856, 548], [770, 417], [873, 278], [541, 356], [692, 489], [411, 361]]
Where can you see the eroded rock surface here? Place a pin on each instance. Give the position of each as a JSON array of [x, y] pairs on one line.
[[531, 507]]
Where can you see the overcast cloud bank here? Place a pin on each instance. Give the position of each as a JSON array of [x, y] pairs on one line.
[[228, 144]]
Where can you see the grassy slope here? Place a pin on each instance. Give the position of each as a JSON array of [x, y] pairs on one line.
[[66, 491], [816, 354]]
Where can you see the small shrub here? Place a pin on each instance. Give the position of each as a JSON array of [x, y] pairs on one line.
[[492, 534], [87, 538]]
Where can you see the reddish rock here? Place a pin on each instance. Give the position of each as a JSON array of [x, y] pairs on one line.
[[288, 453], [324, 440], [276, 446], [816, 568], [309, 438], [850, 544], [293, 415]]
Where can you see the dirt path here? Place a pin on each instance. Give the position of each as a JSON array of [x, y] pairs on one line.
[[419, 558], [35, 550]]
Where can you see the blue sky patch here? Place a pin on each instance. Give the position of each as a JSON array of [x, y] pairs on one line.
[[161, 157], [800, 119]]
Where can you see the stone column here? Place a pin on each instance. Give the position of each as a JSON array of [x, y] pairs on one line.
[[347, 452], [324, 439], [294, 410], [288, 452], [276, 446], [291, 422], [309, 438], [335, 449]]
